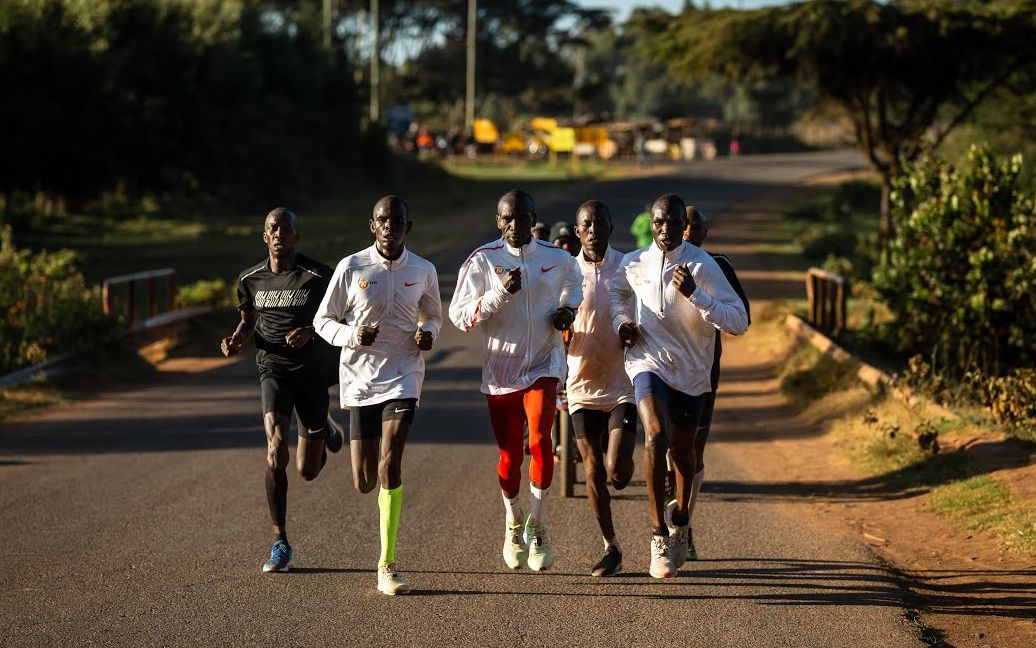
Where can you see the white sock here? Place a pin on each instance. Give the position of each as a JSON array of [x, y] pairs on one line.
[[514, 514], [538, 509], [614, 542], [699, 477]]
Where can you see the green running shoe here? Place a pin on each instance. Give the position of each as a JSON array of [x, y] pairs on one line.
[[541, 555], [515, 552]]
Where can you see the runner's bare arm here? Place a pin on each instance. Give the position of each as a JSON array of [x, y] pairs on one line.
[[233, 343]]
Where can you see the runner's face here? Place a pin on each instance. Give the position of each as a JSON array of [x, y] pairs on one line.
[[695, 232], [593, 229], [667, 228], [280, 235], [515, 223], [390, 228]]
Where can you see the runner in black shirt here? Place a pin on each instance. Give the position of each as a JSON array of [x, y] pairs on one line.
[[697, 230], [277, 300]]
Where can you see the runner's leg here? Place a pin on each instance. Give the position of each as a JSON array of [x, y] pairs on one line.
[[702, 436], [686, 413], [622, 439], [364, 445], [589, 427], [539, 404], [311, 405], [507, 417], [397, 418], [277, 426]]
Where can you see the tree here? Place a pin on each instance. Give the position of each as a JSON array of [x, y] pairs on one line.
[[906, 73]]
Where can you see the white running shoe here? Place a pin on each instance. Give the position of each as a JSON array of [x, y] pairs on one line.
[[390, 581], [514, 548], [680, 536], [662, 565], [541, 555]]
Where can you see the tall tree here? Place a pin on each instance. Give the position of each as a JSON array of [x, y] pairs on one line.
[[906, 73]]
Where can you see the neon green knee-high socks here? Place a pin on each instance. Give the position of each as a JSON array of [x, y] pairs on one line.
[[389, 503]]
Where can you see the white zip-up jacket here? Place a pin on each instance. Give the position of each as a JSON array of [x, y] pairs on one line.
[[520, 344], [596, 376], [677, 334], [399, 297]]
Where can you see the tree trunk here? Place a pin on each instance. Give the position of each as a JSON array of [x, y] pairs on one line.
[[886, 211]]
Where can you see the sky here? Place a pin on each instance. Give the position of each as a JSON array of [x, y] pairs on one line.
[[623, 8]]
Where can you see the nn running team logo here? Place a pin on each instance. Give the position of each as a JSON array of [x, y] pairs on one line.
[[499, 270], [363, 283], [281, 298]]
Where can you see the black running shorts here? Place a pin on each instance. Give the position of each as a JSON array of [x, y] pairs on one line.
[[594, 423], [306, 393], [684, 410], [705, 424], [365, 422]]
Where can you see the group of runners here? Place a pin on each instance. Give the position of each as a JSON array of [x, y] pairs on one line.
[[641, 338]]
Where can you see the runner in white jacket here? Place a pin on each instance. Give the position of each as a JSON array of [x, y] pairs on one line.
[[520, 293], [382, 307], [667, 302], [600, 395]]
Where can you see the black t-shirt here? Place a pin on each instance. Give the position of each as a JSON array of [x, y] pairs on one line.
[[285, 301]]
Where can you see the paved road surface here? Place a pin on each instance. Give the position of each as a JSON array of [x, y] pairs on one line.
[[140, 518]]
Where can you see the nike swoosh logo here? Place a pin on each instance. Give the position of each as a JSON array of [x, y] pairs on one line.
[[542, 269], [400, 411], [407, 284]]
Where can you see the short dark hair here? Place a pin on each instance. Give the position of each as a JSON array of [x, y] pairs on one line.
[[594, 206], [390, 204], [670, 204], [283, 211], [514, 198]]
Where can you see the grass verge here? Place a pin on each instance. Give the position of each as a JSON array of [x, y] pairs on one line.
[[908, 449], [218, 245]]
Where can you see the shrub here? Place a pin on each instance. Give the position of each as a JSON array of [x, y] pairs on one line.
[[204, 291], [959, 272], [47, 306]]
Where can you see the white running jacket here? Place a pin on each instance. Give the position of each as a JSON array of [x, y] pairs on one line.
[[520, 344], [596, 376], [677, 334], [399, 297]]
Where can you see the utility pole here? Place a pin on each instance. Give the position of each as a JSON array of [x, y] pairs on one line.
[[375, 111], [326, 15], [469, 95]]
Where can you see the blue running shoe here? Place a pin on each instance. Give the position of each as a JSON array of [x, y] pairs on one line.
[[280, 557]]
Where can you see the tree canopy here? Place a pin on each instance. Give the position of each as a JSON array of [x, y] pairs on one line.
[[905, 73]]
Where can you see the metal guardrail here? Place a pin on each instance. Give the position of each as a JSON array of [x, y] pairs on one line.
[[827, 294], [130, 308]]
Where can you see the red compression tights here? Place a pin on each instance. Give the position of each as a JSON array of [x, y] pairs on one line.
[[508, 413]]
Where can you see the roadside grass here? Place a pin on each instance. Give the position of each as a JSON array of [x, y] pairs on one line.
[[219, 244], [883, 436], [502, 168], [23, 399]]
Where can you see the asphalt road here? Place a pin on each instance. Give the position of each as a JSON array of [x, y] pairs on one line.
[[140, 518]]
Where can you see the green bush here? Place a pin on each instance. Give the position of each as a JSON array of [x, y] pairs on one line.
[[959, 272], [47, 306], [205, 291]]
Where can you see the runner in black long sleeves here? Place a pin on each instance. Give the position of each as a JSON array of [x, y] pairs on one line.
[[697, 230]]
